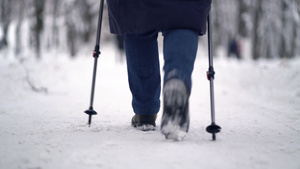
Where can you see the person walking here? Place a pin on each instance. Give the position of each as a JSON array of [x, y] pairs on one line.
[[180, 22]]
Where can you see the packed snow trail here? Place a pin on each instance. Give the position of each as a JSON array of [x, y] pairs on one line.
[[257, 106]]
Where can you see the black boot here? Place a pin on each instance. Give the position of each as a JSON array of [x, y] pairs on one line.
[[144, 122], [175, 120]]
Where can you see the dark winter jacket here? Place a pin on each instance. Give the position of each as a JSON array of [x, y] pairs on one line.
[[138, 16]]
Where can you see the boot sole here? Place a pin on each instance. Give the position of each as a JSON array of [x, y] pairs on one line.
[[175, 120]]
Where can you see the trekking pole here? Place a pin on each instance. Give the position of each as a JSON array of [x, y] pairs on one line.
[[213, 128], [96, 54]]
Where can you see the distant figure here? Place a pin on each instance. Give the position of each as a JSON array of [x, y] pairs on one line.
[[121, 47], [1, 43], [234, 48]]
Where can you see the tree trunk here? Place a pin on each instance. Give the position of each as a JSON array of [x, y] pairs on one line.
[[71, 27], [257, 37], [55, 30], [296, 28], [243, 29], [18, 48], [6, 18], [39, 24]]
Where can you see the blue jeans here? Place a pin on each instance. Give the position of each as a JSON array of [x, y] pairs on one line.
[[179, 49]]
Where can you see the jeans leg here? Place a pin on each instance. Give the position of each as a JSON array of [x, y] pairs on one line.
[[143, 72], [180, 50]]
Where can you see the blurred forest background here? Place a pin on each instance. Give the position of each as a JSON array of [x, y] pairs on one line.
[[271, 27]]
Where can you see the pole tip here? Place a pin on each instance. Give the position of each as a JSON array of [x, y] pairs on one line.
[[213, 129], [90, 120], [90, 112], [214, 136]]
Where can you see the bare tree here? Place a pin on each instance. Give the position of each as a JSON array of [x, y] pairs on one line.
[[87, 19], [244, 18], [257, 31], [21, 7], [55, 28], [37, 24], [6, 8], [70, 20], [295, 39]]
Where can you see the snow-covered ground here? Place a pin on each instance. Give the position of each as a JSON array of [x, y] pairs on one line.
[[257, 106]]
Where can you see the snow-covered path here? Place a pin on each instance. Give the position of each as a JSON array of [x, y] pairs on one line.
[[257, 106]]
